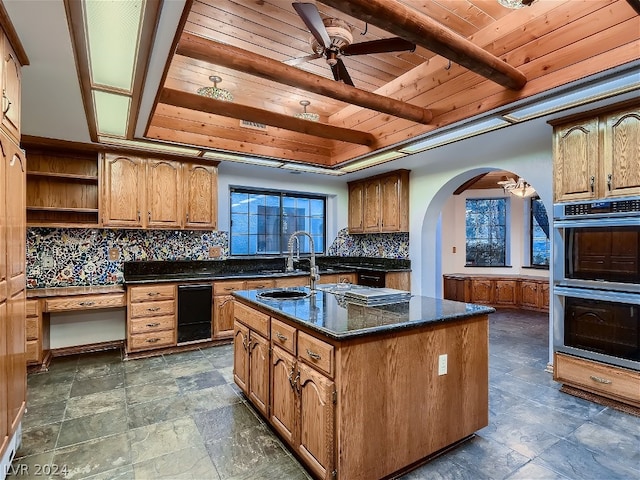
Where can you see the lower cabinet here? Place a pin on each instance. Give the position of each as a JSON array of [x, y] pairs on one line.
[[151, 317], [609, 381]]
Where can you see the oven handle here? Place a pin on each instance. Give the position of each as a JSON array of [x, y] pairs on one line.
[[626, 221]]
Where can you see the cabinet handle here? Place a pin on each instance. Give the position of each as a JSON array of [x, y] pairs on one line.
[[156, 324], [599, 379], [281, 337], [229, 289], [291, 379], [153, 309], [5, 99], [609, 178], [138, 215], [314, 355], [149, 215], [87, 304], [187, 216], [592, 183], [153, 294], [152, 340]]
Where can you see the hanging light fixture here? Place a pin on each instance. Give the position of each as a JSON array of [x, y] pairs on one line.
[[515, 3], [216, 92], [312, 117], [518, 188]]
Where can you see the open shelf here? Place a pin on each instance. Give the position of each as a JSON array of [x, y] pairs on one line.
[[64, 177], [35, 208]]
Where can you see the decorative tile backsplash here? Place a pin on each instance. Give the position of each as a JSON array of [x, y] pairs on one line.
[[388, 245], [61, 257]]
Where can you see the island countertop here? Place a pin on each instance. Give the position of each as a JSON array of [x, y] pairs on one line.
[[340, 318]]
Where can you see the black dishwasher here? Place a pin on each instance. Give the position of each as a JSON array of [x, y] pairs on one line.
[[371, 278], [194, 312]]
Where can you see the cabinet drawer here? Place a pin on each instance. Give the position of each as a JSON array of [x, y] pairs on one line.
[[153, 309], [225, 288], [148, 341], [316, 352], [33, 351], [615, 382], [292, 281], [84, 302], [32, 328], [253, 319], [33, 308], [152, 324], [259, 284], [152, 293], [283, 335]]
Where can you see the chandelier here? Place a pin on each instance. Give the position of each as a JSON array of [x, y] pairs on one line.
[[312, 117], [215, 92], [515, 3]]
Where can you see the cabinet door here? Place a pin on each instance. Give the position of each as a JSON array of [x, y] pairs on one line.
[[15, 229], [4, 414], [241, 356], [317, 421], [390, 190], [259, 372], [11, 92], [222, 316], [200, 196], [123, 191], [283, 393], [164, 194], [356, 208], [3, 227], [16, 358], [575, 161], [529, 294], [482, 291], [621, 155], [543, 297], [372, 206], [506, 292]]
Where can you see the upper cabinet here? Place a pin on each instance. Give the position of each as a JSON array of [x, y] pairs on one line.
[[597, 157], [380, 204], [11, 90], [154, 193]]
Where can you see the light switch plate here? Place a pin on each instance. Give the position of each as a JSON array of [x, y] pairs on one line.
[[442, 364], [114, 254]]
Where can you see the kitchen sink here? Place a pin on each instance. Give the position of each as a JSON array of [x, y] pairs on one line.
[[284, 294]]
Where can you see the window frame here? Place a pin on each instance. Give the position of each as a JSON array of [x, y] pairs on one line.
[[283, 238], [507, 232], [531, 239]]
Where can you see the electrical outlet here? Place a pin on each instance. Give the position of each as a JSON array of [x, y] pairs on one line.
[[114, 254], [442, 364], [380, 251], [454, 250], [47, 261], [215, 252]]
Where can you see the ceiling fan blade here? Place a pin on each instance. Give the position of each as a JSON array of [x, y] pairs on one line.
[[383, 45], [301, 60], [340, 73], [311, 17]]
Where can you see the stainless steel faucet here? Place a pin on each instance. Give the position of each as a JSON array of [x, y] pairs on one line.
[[313, 270]]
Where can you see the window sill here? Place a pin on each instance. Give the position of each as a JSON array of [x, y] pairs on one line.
[[488, 266], [536, 267]]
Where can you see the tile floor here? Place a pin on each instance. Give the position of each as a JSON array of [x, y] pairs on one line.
[[180, 416]]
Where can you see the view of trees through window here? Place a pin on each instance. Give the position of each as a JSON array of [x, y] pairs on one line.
[[262, 221], [486, 232], [539, 231]]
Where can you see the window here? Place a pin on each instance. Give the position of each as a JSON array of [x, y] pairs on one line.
[[263, 220], [486, 232], [539, 234]]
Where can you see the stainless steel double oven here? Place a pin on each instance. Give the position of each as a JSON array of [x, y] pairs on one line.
[[597, 280]]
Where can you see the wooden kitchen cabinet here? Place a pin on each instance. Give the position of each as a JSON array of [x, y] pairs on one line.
[[151, 317], [596, 156], [482, 291], [251, 359], [529, 296], [380, 204], [506, 292], [11, 89], [123, 200], [200, 196], [153, 193], [37, 334], [164, 194]]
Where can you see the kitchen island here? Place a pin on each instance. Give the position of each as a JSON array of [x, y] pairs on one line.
[[359, 391]]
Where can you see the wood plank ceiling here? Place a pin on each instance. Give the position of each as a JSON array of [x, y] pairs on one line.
[[551, 42]]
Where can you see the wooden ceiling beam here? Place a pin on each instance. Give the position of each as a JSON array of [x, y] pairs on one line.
[[408, 23], [229, 56], [193, 101]]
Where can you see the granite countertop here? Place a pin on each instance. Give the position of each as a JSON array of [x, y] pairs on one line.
[[71, 291], [333, 316]]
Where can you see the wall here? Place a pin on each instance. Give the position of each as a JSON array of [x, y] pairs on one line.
[[453, 235]]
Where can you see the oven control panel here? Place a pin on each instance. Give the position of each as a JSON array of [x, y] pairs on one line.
[[630, 206]]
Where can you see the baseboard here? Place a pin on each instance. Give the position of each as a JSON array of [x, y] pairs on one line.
[[89, 348], [177, 349]]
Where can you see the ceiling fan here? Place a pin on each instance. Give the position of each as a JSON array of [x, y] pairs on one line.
[[332, 39]]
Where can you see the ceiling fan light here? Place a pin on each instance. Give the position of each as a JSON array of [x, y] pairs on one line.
[[515, 4], [518, 188], [312, 117]]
